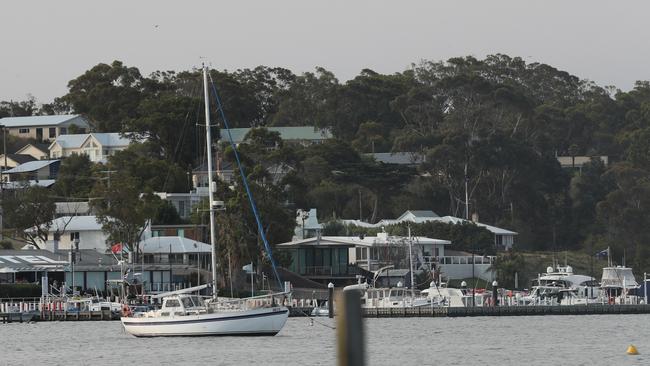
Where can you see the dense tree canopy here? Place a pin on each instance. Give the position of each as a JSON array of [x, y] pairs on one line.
[[497, 124]]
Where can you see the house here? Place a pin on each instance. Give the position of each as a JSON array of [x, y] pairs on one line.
[[503, 238], [190, 231], [85, 228], [13, 160], [342, 258], [38, 151], [302, 135], [577, 162], [44, 128], [226, 171], [97, 146], [34, 170], [175, 250], [185, 202]]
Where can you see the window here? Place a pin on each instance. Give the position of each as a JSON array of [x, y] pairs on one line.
[[176, 258], [52, 132], [64, 130], [181, 210], [172, 304], [23, 130]]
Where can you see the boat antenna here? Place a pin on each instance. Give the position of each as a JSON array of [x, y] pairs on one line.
[[251, 200], [211, 185]]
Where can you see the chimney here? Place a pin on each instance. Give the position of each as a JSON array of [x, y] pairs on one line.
[[475, 217]]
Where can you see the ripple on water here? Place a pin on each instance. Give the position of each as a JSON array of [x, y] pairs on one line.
[[538, 340]]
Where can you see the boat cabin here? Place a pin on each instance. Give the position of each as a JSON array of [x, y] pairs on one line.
[[179, 305]]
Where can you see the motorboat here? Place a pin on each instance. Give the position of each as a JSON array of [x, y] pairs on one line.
[[441, 295], [322, 310], [618, 285], [389, 297], [91, 304], [185, 314], [561, 286]]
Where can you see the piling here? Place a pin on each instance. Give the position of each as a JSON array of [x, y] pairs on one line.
[[349, 330], [330, 300]]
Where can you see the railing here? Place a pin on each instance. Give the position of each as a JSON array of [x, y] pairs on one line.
[[331, 271], [462, 259]]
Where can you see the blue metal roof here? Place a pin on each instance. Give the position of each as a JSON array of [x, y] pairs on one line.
[[30, 166], [36, 120]]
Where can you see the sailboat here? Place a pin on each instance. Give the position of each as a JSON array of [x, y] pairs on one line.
[[184, 314]]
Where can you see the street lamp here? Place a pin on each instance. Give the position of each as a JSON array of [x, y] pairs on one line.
[[304, 215]]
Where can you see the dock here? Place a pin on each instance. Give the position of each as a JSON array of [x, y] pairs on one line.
[[457, 312]]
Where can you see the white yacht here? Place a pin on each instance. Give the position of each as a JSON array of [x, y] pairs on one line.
[[442, 295], [559, 285], [185, 315]]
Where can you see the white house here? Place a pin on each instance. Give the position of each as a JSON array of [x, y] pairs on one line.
[[44, 128], [86, 228], [176, 250], [97, 146], [503, 238]]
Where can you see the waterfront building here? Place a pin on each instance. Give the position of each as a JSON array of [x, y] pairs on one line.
[[44, 128], [168, 263], [342, 258]]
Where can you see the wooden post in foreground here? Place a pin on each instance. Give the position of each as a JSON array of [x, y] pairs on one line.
[[349, 330]]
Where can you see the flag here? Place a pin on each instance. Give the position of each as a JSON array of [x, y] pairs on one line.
[[248, 268], [116, 248], [603, 253]]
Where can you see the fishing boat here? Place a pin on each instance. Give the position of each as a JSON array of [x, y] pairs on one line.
[[184, 314]]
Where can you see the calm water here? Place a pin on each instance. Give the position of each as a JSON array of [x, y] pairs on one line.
[[548, 340]]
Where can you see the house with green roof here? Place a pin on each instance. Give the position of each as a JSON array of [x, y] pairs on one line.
[[303, 135]]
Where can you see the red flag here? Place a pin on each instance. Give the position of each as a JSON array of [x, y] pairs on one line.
[[116, 248]]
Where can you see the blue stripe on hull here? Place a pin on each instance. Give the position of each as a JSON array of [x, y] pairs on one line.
[[135, 324], [252, 334]]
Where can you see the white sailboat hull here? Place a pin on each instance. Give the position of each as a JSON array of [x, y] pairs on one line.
[[256, 322]]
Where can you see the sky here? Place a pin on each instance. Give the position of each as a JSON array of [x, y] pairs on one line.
[[47, 43]]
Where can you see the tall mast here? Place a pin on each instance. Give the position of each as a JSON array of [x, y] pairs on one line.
[[411, 261], [211, 185]]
